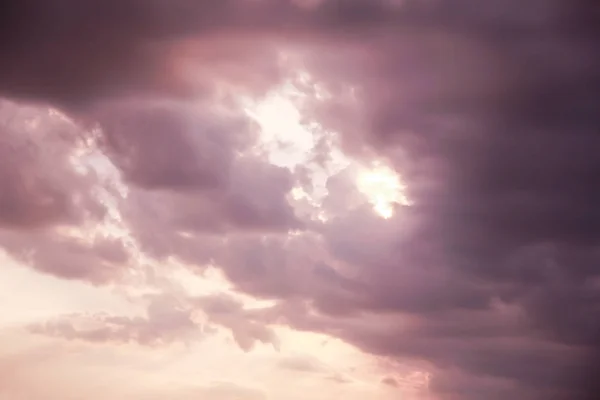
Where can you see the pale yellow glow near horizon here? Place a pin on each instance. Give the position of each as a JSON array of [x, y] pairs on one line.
[[383, 188]]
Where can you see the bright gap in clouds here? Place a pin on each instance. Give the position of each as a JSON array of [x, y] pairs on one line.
[[288, 140], [383, 188], [284, 139]]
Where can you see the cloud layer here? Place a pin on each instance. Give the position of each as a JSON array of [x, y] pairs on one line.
[[130, 150]]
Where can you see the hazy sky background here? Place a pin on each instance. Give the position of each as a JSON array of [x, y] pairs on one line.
[[299, 200]]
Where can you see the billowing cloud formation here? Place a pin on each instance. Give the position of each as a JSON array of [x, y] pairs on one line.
[[487, 282], [45, 195], [33, 193]]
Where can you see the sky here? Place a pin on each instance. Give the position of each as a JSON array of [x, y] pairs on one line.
[[299, 200]]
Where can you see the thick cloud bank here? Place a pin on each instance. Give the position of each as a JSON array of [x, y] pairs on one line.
[[129, 119]]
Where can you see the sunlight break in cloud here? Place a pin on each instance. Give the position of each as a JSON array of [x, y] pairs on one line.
[[289, 139], [383, 188]]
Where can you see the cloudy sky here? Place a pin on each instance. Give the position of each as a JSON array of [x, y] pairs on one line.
[[299, 199]]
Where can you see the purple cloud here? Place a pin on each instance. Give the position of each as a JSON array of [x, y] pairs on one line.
[[487, 109]]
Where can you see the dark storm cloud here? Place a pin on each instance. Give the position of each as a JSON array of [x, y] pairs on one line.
[[497, 145], [69, 52], [100, 261], [389, 381], [172, 145], [490, 116], [185, 166], [181, 161]]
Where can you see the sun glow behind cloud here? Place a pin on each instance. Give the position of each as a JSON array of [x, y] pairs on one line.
[[283, 137], [288, 140], [383, 188]]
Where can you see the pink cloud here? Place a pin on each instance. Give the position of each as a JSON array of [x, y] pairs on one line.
[[486, 109]]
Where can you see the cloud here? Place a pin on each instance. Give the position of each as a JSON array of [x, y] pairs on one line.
[[168, 319], [389, 381], [246, 327], [161, 146], [487, 110], [33, 193], [115, 48], [118, 48], [302, 364], [49, 197], [166, 322], [85, 56]]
